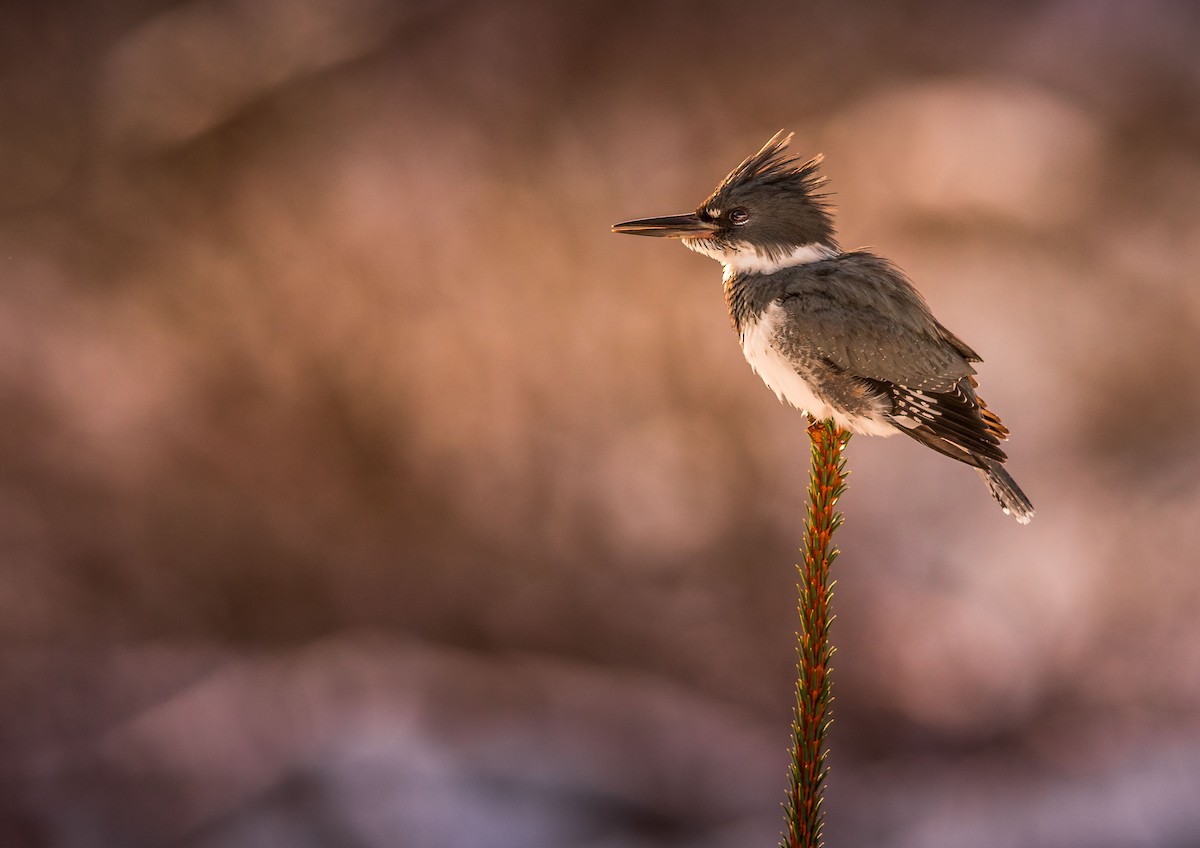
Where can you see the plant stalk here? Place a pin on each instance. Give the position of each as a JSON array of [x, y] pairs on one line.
[[812, 715]]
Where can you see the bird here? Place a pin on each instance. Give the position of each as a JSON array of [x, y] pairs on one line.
[[838, 334]]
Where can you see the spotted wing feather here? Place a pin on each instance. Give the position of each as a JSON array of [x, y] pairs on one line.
[[860, 315], [951, 422]]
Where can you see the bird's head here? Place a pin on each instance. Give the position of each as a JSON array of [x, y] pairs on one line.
[[765, 215]]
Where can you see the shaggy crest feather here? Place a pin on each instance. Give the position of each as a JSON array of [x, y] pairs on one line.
[[773, 166]]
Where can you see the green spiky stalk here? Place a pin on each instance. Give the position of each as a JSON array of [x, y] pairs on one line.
[[811, 718]]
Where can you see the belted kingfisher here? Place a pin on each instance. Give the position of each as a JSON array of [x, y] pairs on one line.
[[837, 334]]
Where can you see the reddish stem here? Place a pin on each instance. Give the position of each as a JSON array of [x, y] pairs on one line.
[[805, 813]]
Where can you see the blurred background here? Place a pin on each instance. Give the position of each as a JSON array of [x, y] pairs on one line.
[[360, 488]]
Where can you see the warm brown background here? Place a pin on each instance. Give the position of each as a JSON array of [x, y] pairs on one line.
[[359, 488]]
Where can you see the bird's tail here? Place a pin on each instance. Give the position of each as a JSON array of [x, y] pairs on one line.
[[1005, 490]]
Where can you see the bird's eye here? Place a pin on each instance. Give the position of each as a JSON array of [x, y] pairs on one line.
[[737, 217]]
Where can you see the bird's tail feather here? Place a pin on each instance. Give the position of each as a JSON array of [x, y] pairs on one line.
[[1006, 491]]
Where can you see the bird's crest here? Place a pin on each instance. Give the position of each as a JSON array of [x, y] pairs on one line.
[[773, 166]]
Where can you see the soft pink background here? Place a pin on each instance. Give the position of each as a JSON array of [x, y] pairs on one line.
[[360, 488]]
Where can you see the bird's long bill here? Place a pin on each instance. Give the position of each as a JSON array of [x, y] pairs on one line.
[[672, 226]]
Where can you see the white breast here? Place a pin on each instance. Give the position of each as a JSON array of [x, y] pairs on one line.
[[781, 377]]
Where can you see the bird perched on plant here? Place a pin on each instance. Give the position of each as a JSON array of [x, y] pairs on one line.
[[837, 334]]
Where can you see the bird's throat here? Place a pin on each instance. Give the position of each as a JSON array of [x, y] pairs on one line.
[[749, 259]]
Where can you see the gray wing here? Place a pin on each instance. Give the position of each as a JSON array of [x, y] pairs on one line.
[[859, 313]]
